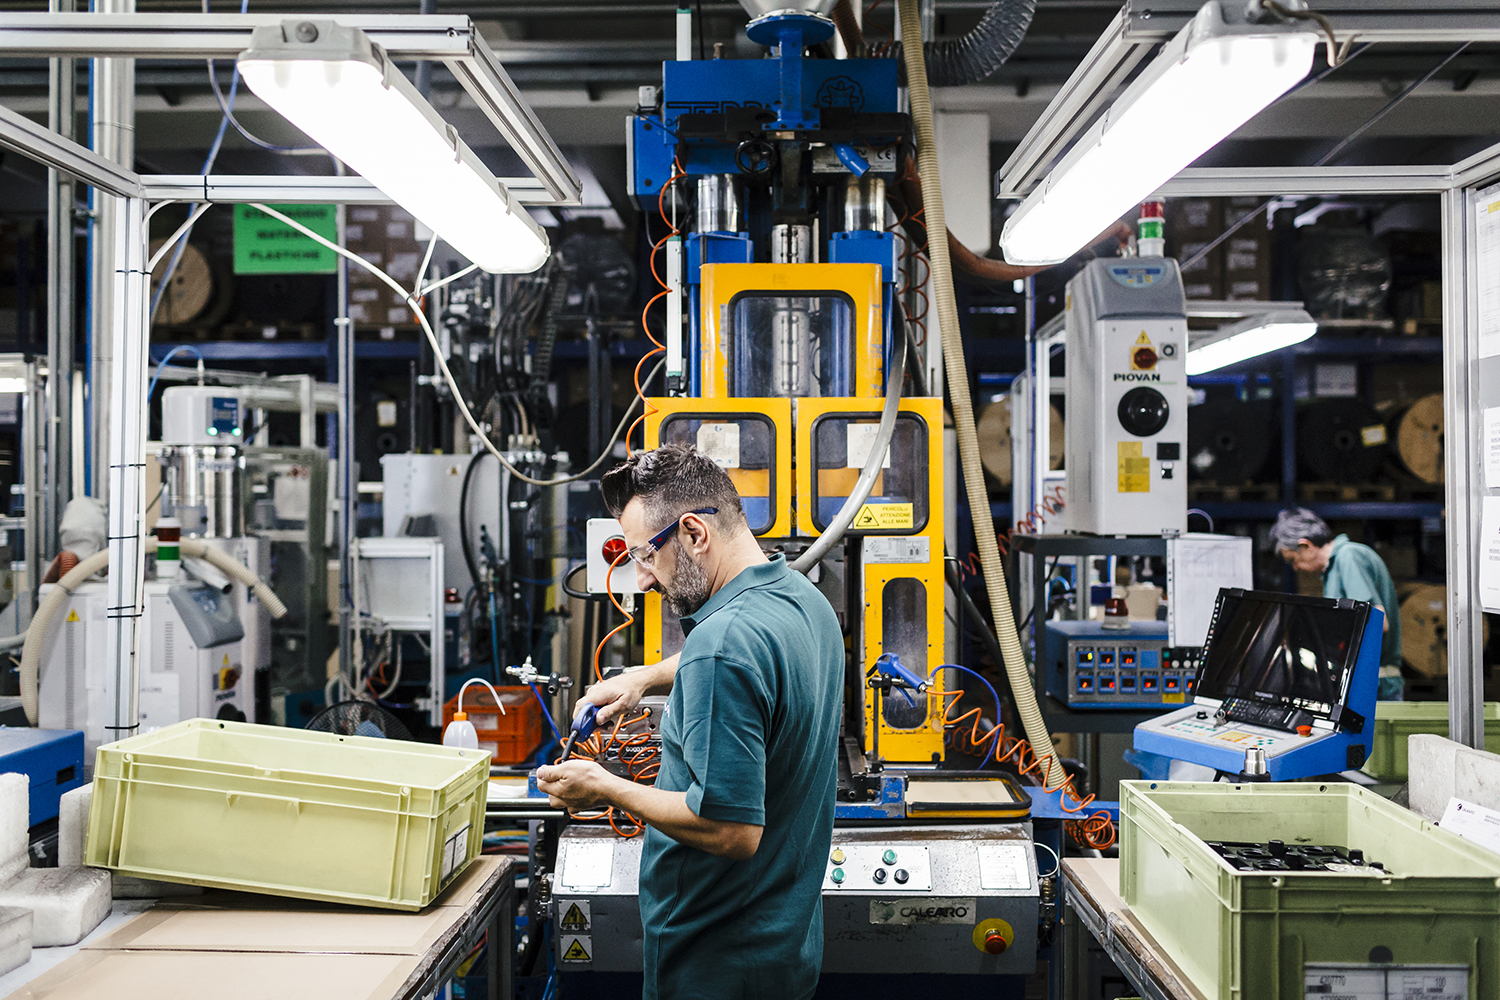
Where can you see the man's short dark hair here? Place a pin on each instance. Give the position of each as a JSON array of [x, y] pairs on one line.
[[1297, 523], [670, 481]]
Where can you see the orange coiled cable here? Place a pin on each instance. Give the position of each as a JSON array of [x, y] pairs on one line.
[[659, 348], [1096, 831]]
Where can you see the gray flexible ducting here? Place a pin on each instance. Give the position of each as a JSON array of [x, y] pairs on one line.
[[985, 540], [895, 376], [972, 58], [41, 622]]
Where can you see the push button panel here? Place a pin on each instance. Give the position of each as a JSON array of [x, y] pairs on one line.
[[886, 867]]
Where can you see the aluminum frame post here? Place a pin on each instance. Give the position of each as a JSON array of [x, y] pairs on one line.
[[348, 476], [33, 402], [126, 466], [1461, 453], [62, 118], [113, 135]]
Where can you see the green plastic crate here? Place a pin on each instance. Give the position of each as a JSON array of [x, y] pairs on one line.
[[347, 819], [1395, 721], [1247, 935]]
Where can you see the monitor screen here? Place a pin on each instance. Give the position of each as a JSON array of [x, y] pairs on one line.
[[1281, 649]]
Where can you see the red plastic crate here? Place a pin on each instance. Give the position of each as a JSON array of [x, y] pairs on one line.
[[510, 738]]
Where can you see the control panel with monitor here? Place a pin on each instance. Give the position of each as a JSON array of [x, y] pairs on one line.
[[1292, 676]]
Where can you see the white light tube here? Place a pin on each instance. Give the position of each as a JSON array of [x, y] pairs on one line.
[[1249, 338], [1208, 81], [342, 91]]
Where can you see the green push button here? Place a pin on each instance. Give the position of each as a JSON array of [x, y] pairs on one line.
[[838, 876], [889, 857]]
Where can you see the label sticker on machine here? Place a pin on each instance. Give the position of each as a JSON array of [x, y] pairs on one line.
[[929, 910], [898, 550], [1136, 275], [576, 915], [1385, 982], [455, 850], [859, 439], [586, 866], [884, 517], [577, 948], [1004, 866], [1134, 469], [720, 443]]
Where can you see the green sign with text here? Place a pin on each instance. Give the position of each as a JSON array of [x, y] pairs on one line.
[[266, 245]]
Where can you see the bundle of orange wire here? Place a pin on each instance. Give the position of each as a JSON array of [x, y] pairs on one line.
[[642, 765], [659, 347], [1096, 830]]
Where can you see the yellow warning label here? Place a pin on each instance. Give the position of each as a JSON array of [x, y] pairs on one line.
[[1173, 699], [1143, 340], [226, 659], [574, 919], [577, 951], [73, 615], [885, 517], [1133, 469]]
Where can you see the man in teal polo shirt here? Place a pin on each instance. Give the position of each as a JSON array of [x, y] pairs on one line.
[[1349, 570], [741, 819]]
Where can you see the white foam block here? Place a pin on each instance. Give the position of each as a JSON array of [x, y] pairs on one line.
[[66, 903], [15, 821], [73, 825], [15, 938], [72, 832]]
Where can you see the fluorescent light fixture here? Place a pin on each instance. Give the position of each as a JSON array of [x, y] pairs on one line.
[[1249, 338], [342, 90], [1208, 81]]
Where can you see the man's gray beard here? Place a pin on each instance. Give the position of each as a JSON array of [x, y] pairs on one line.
[[689, 587]]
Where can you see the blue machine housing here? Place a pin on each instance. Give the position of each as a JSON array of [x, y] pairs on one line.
[[51, 758], [1329, 753], [732, 85]]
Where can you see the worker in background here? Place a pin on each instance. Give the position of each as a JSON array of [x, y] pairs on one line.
[[1349, 570], [741, 819]]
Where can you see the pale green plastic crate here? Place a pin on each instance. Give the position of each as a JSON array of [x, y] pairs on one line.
[[347, 819], [1246, 936], [1395, 721]]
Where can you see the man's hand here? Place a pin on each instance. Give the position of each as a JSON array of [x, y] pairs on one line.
[[577, 784], [615, 696], [623, 692]]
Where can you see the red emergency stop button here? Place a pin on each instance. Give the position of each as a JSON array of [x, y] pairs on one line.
[[993, 936], [1304, 730], [1144, 358], [614, 549]]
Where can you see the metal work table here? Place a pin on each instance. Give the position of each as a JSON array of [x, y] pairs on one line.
[[1092, 904], [240, 945]]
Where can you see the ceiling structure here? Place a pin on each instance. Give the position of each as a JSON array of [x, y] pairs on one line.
[[580, 63]]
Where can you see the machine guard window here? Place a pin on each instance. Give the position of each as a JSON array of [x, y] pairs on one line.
[[904, 481], [795, 343], [749, 458], [903, 631]]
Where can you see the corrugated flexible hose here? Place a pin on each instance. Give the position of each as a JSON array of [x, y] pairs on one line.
[[963, 406], [973, 58], [41, 622]]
